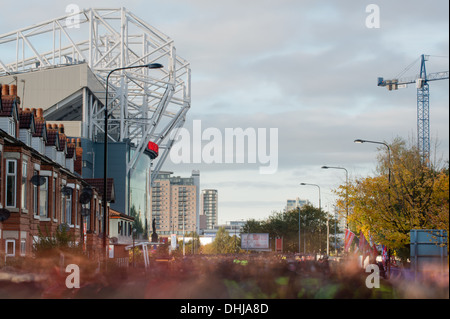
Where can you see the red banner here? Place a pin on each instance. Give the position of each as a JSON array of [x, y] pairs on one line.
[[349, 236]]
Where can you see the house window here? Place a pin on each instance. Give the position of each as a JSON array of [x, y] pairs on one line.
[[68, 200], [94, 216], [100, 219], [24, 185], [23, 247], [54, 198], [76, 207], [43, 199], [11, 175], [63, 208], [87, 219], [35, 197], [12, 128], [1, 160], [10, 249]]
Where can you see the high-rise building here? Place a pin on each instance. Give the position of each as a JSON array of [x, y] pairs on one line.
[[196, 180], [210, 207], [292, 204], [174, 204]]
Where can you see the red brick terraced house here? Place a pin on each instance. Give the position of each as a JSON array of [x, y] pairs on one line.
[[41, 184]]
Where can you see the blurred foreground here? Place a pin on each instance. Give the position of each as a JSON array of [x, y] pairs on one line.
[[239, 276]]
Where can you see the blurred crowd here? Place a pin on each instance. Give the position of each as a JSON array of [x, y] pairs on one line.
[[240, 276]]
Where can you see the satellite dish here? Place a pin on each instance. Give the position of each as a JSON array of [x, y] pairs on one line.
[[86, 195], [67, 191], [38, 180], [4, 214], [85, 212]]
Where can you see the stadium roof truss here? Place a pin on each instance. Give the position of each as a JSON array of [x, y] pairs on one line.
[[144, 104]]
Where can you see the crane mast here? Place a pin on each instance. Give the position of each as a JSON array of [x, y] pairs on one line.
[[423, 102]]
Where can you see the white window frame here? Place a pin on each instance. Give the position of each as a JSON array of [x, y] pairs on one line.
[[77, 222], [54, 181], [7, 254], [35, 197], [8, 174], [68, 212], [24, 184], [43, 189], [87, 219], [23, 247], [63, 208], [12, 127]]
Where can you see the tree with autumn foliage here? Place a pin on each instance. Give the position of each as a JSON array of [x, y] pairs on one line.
[[416, 196]]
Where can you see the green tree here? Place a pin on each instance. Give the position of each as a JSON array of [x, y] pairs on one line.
[[415, 197], [224, 243], [137, 223], [313, 229], [192, 246]]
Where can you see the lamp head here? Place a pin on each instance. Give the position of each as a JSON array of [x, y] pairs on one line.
[[325, 167], [154, 66], [359, 141]]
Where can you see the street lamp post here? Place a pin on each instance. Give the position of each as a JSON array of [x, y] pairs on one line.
[[360, 141], [320, 208], [184, 214], [134, 234], [346, 193], [335, 233], [105, 151], [298, 207]]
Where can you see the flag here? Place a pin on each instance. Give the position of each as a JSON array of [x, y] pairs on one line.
[[349, 236], [363, 244], [373, 247], [384, 254]]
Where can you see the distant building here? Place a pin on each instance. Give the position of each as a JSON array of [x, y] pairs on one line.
[[196, 181], [234, 228], [202, 225], [292, 204], [174, 204], [210, 207]]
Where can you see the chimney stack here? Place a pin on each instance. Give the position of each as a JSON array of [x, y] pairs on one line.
[[13, 90], [79, 156], [5, 89], [40, 113]]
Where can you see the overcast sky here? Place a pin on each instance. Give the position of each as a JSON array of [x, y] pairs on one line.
[[307, 68]]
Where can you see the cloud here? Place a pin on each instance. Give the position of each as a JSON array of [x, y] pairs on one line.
[[308, 68]]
